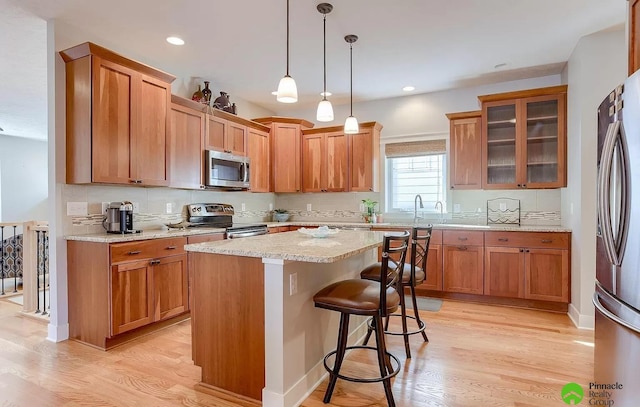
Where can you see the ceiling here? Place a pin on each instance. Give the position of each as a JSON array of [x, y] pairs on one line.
[[240, 46]]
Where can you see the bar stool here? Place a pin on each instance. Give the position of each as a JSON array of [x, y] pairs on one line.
[[413, 274], [368, 298]]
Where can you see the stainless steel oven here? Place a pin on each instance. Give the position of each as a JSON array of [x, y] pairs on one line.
[[226, 170]]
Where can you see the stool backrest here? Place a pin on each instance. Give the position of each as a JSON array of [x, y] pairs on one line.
[[394, 254], [420, 238]]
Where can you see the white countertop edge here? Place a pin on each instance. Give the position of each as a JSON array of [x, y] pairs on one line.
[[443, 226], [145, 235]]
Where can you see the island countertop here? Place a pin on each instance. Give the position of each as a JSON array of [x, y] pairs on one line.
[[295, 246]]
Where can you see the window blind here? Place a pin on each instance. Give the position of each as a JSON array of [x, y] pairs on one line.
[[414, 148]]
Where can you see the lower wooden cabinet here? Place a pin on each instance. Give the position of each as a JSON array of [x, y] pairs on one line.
[[120, 287], [504, 272], [547, 274], [280, 229], [463, 269]]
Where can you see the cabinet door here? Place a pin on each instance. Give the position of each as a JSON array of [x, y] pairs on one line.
[[500, 145], [544, 142], [186, 145], [634, 36], [131, 296], [364, 152], [260, 163], [112, 122], [314, 170], [170, 281], [547, 274], [149, 151], [215, 133], [336, 162], [286, 157], [504, 272], [466, 153], [463, 269], [433, 279], [236, 139]]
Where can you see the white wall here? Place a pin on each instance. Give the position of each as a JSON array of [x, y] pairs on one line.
[[23, 179], [597, 65]]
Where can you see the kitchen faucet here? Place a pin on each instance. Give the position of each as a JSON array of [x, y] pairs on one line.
[[415, 207], [439, 203]]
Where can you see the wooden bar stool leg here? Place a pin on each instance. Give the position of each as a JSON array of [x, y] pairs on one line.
[[384, 362], [341, 348], [417, 314]]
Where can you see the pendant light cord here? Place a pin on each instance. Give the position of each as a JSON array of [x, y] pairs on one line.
[[351, 75], [324, 36], [287, 37]]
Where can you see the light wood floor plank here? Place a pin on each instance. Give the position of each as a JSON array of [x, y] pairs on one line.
[[478, 355]]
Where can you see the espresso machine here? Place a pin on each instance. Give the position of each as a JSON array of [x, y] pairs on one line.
[[119, 218]]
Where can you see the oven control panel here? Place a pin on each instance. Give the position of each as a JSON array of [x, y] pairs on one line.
[[210, 209]]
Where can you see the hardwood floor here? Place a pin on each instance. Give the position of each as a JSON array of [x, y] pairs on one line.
[[478, 355]]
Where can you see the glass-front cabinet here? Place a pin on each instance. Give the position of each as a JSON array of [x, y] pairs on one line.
[[524, 139]]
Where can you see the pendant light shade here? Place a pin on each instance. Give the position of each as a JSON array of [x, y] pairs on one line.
[[287, 89], [351, 124], [325, 110]]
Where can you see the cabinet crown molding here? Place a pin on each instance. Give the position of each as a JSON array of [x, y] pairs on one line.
[[552, 90]]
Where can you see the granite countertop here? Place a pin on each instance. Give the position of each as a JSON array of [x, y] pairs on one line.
[[145, 235], [295, 246], [454, 226]]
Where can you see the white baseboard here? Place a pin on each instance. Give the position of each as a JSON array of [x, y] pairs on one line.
[[581, 321], [303, 388], [57, 333]]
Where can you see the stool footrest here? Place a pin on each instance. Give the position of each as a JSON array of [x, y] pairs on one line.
[[421, 326], [358, 379]]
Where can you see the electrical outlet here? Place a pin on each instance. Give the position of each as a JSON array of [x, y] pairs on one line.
[[243, 207], [270, 206], [136, 207], [308, 207], [503, 206], [361, 207], [77, 208], [169, 207], [293, 283], [456, 208], [105, 206]]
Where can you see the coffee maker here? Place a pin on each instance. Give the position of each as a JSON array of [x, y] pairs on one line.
[[119, 218]]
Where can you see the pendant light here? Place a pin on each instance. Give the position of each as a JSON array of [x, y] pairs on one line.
[[325, 110], [287, 90], [351, 124]]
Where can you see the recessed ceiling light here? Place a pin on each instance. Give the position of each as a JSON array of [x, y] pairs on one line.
[[409, 88], [325, 93], [500, 65], [275, 93], [175, 40]]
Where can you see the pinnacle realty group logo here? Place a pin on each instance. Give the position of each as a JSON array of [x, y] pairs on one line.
[[600, 394]]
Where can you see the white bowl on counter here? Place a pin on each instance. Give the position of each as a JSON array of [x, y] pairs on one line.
[[321, 232]]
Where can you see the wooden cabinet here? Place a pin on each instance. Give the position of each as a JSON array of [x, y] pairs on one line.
[[463, 262], [225, 135], [530, 265], [465, 150], [634, 36], [324, 161], [433, 280], [186, 144], [259, 143], [117, 118], [524, 139], [279, 229], [364, 158], [117, 288], [286, 152]]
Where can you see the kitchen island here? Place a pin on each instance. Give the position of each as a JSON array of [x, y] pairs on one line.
[[256, 333]]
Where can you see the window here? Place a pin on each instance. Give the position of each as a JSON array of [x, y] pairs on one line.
[[421, 174]]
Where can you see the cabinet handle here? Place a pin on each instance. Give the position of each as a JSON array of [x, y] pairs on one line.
[[134, 252], [547, 241], [524, 185], [154, 262], [521, 250], [201, 186], [171, 247], [452, 186], [503, 239], [463, 238], [519, 185], [462, 248], [526, 250]]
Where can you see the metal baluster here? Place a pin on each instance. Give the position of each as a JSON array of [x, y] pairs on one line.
[[15, 260], [38, 258], [45, 272], [2, 258]]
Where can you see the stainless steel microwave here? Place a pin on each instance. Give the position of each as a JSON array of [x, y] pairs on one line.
[[226, 170]]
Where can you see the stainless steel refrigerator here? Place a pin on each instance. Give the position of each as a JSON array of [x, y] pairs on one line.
[[617, 287]]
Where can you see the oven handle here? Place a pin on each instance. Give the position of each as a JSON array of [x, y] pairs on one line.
[[246, 234]]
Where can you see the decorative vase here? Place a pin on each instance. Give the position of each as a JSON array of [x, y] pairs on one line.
[[206, 93], [281, 217], [198, 95], [222, 102], [234, 109]]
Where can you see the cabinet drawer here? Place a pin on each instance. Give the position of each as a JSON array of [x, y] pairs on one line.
[[147, 249], [462, 237], [549, 240]]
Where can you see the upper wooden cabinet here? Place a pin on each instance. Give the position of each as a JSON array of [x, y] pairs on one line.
[[225, 135], [465, 150], [634, 36], [286, 152], [524, 139], [186, 144], [324, 161], [259, 142], [364, 158], [117, 118]]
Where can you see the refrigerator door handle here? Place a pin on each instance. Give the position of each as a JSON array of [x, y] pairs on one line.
[[625, 210], [610, 315], [604, 191]]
